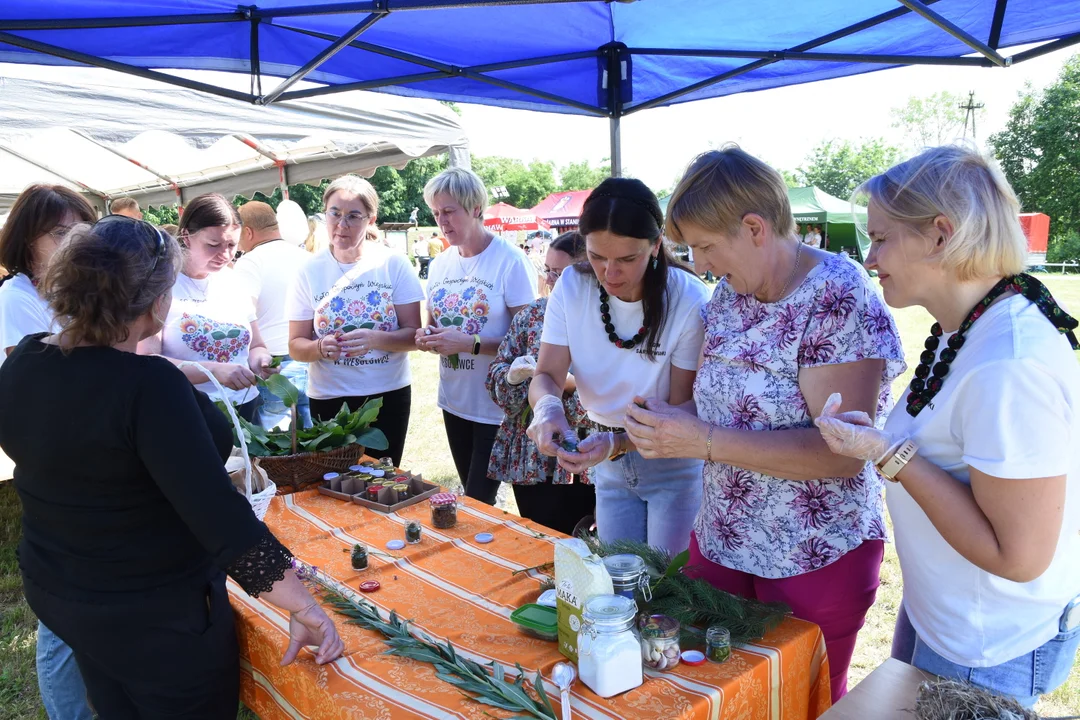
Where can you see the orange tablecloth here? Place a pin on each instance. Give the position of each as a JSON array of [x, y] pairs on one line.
[[459, 590]]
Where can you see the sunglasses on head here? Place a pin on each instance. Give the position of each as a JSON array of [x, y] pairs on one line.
[[156, 236]]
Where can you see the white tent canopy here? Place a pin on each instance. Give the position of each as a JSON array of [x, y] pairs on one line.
[[124, 137]]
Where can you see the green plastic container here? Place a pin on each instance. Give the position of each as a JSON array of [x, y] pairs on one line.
[[538, 620]]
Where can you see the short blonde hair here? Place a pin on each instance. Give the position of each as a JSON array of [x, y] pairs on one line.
[[257, 215], [969, 190], [125, 203], [463, 185], [721, 187], [354, 185]]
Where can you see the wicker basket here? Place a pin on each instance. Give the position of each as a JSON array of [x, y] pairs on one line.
[[302, 469]]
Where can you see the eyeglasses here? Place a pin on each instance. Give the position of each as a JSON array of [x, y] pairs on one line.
[[353, 218], [58, 232], [159, 249], [553, 273]]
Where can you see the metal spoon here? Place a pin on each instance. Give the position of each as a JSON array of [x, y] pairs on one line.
[[563, 675]]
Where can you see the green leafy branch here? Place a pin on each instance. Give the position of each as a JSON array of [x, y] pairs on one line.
[[692, 601], [486, 686], [345, 428]]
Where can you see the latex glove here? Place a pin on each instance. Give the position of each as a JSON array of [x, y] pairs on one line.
[[593, 450], [312, 626], [852, 434], [549, 426], [521, 369]]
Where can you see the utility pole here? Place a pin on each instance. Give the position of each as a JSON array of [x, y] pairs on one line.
[[970, 107]]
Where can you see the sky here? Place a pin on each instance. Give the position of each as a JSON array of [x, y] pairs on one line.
[[780, 125]]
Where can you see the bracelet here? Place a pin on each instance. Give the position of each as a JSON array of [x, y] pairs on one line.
[[708, 444], [616, 453], [899, 459], [318, 347]]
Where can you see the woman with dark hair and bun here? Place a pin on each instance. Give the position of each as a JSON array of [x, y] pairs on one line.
[[212, 317], [629, 321], [40, 218], [129, 520], [545, 492]]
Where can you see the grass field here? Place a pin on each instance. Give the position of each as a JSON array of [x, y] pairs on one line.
[[426, 451]]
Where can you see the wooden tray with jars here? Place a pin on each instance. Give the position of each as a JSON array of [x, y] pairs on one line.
[[377, 486]]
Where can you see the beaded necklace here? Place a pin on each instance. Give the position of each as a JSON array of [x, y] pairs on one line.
[[928, 382], [609, 327]]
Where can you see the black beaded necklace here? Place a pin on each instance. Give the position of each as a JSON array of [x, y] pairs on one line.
[[609, 327], [927, 383]]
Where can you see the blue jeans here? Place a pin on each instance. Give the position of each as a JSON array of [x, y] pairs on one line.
[[59, 681], [273, 410], [653, 501], [1024, 678]]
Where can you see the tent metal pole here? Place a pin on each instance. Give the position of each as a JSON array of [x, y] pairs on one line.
[[818, 57], [1047, 48], [616, 145], [120, 22], [37, 163], [995, 26], [810, 45], [956, 31], [335, 47], [399, 6], [137, 163], [46, 49], [256, 66]]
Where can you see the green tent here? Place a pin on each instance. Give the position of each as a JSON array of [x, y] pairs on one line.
[[816, 207], [844, 230]]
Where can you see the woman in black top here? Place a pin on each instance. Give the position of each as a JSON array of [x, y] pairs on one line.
[[129, 519]]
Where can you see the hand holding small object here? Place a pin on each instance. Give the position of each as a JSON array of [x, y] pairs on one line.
[[549, 425], [852, 434]]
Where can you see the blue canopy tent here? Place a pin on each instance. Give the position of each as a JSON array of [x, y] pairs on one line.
[[607, 59]]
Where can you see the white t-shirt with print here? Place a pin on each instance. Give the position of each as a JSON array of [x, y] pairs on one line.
[[609, 377], [267, 271], [474, 295], [1009, 407], [22, 312], [210, 321], [341, 297]]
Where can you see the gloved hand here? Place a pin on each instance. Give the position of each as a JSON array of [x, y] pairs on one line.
[[852, 434], [549, 425], [521, 369], [593, 450]]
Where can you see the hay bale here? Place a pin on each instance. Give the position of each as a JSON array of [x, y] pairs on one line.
[[952, 700]]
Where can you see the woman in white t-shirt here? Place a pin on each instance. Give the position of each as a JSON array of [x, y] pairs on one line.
[[353, 312], [984, 455], [39, 219], [629, 322], [475, 288], [212, 317]]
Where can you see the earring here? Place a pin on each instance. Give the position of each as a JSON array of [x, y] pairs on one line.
[[654, 262]]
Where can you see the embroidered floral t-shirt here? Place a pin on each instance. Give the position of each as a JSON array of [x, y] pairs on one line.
[[475, 294], [339, 298], [749, 380], [210, 321]]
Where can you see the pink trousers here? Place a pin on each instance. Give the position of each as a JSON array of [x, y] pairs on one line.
[[835, 598]]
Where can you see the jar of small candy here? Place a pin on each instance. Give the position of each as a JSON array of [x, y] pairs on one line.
[[444, 510], [659, 642]]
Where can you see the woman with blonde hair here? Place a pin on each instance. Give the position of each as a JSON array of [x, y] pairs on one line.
[[353, 312], [984, 458], [782, 519], [474, 290]]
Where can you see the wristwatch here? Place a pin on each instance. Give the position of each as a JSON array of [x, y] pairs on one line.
[[898, 460], [476, 345]]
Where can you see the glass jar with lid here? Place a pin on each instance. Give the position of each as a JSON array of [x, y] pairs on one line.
[[628, 576], [444, 510], [659, 642], [609, 649]]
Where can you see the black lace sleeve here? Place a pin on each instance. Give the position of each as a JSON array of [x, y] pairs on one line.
[[261, 566]]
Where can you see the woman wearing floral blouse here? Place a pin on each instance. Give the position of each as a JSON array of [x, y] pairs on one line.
[[782, 518], [545, 491]]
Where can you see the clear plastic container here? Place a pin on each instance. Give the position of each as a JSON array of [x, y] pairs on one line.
[[659, 642]]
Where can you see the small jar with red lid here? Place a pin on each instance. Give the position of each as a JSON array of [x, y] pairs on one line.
[[444, 510]]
